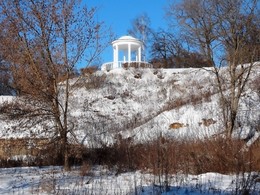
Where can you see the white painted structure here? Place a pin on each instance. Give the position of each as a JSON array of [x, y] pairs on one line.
[[126, 49]]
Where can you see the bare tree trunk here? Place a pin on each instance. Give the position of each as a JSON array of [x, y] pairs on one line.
[[65, 122], [65, 151]]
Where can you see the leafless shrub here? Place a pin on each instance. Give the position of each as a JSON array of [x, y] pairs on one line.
[[255, 85], [110, 97], [158, 73], [95, 81], [138, 75], [195, 99], [166, 156], [207, 96], [160, 76], [126, 94], [63, 77], [85, 169], [177, 103], [88, 70], [207, 122]]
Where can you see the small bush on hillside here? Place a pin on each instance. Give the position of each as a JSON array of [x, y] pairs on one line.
[[138, 75], [95, 81], [63, 77], [88, 70], [158, 73], [255, 85]]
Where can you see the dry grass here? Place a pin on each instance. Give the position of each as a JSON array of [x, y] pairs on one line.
[[161, 156], [165, 156], [85, 169], [20, 146]]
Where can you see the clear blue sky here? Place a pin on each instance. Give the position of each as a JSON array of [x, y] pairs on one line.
[[119, 14]]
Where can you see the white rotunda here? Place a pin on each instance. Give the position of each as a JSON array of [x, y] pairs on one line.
[[126, 50]]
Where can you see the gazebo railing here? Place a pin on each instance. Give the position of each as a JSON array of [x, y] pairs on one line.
[[123, 64]]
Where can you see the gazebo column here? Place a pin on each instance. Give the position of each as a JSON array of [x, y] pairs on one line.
[[129, 53], [125, 54], [115, 64], [139, 54]]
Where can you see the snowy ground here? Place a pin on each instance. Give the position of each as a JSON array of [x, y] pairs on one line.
[[52, 180], [142, 108]]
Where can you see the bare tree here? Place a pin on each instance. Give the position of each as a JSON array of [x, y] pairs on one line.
[[168, 51], [198, 25], [141, 29], [236, 19], [5, 79], [222, 29], [44, 41], [164, 47]]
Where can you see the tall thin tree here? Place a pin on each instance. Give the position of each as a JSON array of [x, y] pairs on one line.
[[141, 30], [44, 41], [222, 29]]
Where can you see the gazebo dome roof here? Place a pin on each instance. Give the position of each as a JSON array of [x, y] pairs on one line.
[[127, 38], [124, 41]]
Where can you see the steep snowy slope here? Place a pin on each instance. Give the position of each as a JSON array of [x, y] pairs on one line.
[[145, 103], [134, 100]]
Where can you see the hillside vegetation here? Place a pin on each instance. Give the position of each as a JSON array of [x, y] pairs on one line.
[[144, 104]]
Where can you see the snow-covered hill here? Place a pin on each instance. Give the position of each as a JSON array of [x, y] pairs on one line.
[[144, 103]]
